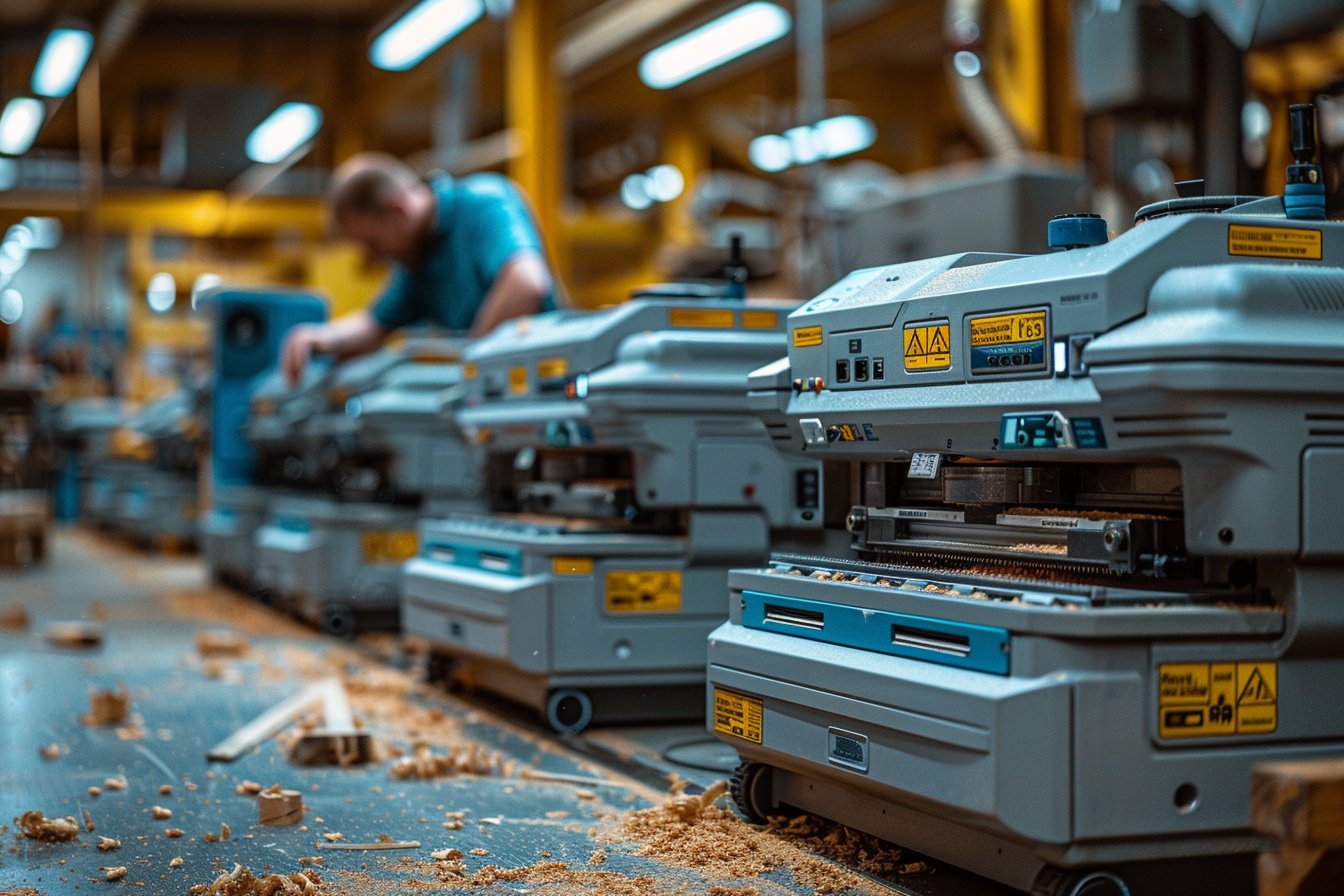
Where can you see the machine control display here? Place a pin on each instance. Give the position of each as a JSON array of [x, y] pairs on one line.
[[1009, 343]]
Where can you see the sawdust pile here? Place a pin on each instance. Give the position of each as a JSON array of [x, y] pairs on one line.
[[847, 846], [557, 879], [221, 606], [36, 826], [692, 832], [242, 882], [463, 759]]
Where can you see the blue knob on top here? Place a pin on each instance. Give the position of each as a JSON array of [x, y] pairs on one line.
[[1077, 231], [1304, 192]]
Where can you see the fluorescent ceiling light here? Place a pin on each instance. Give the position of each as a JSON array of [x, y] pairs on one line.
[[19, 124], [665, 183], [423, 29], [635, 192], [284, 131], [162, 292], [770, 152], [46, 232], [62, 60], [801, 145], [11, 306], [842, 135], [746, 28]]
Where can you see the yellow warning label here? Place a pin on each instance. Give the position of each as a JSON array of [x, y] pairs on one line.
[[1006, 329], [713, 318], [644, 591], [738, 716], [1273, 242], [760, 320], [1217, 699], [572, 566], [928, 346], [389, 547], [804, 337], [517, 380], [469, 371], [552, 368]]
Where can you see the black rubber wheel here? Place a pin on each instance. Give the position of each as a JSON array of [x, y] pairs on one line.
[[439, 668], [1063, 882], [568, 711], [751, 790], [337, 619]]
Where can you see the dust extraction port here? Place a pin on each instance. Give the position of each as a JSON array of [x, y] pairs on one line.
[[938, 642], [808, 619]]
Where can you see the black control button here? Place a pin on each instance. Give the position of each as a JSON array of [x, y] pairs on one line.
[[861, 370], [879, 368], [842, 371]]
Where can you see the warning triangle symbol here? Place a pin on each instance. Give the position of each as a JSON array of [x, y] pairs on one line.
[[914, 345], [938, 342], [1256, 690]]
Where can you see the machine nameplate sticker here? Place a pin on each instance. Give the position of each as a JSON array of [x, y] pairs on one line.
[[760, 320], [738, 716], [847, 748], [517, 380], [1009, 343], [924, 465], [1217, 699], [644, 591], [805, 337], [469, 371], [572, 566], [1273, 242], [928, 346], [552, 368], [711, 318]]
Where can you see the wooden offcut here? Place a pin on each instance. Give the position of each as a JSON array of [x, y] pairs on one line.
[[1301, 804]]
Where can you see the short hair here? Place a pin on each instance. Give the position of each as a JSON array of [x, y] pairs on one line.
[[365, 183]]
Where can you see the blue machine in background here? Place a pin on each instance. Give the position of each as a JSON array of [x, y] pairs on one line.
[[250, 325]]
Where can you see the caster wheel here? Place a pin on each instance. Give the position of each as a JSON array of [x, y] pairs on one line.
[[1062, 882], [337, 619], [751, 790], [439, 668], [568, 712]]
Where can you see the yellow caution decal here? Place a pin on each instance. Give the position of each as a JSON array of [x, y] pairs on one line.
[[517, 380], [572, 566], [702, 318], [1274, 242], [760, 320], [469, 371], [928, 346], [804, 337], [644, 591], [552, 368], [738, 716], [389, 547], [1217, 699]]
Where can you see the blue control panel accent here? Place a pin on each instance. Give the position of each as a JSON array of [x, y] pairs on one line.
[[1087, 432], [502, 561], [293, 524], [962, 645]]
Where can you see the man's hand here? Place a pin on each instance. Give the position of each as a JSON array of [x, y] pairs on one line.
[[298, 348], [345, 337]]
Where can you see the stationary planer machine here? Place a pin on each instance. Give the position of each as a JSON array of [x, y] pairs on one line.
[[1096, 550], [627, 475]]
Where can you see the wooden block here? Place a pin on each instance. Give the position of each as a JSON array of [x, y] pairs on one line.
[[1300, 803], [1300, 871], [107, 707], [279, 807]]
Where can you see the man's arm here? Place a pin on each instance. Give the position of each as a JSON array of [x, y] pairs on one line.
[[352, 334], [519, 289]]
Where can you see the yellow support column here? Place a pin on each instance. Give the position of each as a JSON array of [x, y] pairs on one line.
[[685, 147], [535, 110]]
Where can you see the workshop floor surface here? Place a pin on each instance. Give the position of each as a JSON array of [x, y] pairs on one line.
[[539, 814]]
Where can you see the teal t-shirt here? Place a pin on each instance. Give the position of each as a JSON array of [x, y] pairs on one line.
[[482, 221]]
